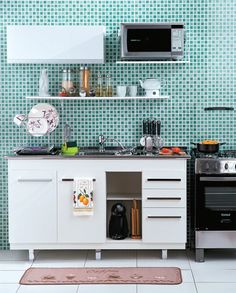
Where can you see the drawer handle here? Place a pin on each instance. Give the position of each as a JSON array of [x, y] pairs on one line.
[[70, 179], [163, 198], [163, 179], [34, 180], [164, 217]]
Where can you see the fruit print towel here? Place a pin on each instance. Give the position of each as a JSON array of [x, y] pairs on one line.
[[83, 197]]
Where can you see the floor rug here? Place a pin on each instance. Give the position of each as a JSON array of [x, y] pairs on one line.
[[68, 276]]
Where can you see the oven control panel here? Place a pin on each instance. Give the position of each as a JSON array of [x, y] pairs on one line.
[[215, 166]]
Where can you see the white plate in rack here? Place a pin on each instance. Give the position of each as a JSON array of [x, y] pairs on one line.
[[42, 119]]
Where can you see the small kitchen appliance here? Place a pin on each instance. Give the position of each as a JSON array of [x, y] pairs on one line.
[[152, 41], [152, 86], [214, 204], [118, 225]]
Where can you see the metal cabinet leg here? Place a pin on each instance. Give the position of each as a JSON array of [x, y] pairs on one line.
[[31, 254], [98, 254], [199, 255], [164, 254]]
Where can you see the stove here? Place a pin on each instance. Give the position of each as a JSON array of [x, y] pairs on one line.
[[214, 201]]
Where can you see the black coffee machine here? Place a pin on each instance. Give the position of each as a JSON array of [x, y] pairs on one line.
[[118, 225]]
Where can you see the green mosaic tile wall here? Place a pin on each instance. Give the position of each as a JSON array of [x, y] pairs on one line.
[[209, 80]]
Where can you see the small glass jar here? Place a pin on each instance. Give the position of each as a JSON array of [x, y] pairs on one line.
[[67, 81]]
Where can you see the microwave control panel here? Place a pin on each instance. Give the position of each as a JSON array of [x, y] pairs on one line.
[[177, 40]]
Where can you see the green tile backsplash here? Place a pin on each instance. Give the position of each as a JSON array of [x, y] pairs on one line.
[[209, 80]]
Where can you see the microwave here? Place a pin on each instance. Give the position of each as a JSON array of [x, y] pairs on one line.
[[152, 41]]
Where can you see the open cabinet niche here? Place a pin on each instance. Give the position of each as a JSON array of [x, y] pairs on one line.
[[125, 188]]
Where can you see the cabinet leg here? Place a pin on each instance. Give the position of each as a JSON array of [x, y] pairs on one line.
[[31, 254], [199, 255], [98, 254], [164, 254]]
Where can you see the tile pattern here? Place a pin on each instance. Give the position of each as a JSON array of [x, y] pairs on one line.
[[208, 81], [217, 274]]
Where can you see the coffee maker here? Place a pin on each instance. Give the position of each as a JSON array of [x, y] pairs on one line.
[[118, 225]]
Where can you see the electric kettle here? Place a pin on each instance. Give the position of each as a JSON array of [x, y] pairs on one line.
[[152, 86]]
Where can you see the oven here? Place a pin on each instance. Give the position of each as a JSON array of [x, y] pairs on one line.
[[215, 202]]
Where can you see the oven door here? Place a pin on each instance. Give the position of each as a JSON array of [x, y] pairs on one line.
[[215, 202]]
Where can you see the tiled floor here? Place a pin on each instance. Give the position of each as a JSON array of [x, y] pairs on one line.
[[217, 274]]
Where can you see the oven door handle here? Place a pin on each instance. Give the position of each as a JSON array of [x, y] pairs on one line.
[[225, 179]]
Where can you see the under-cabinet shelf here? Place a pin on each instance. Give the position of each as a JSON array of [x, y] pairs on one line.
[[154, 62], [126, 240], [124, 197], [96, 98]]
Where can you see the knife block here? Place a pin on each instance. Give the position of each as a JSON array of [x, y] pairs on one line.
[[135, 221]]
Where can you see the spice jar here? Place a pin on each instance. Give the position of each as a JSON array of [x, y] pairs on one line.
[[67, 82]]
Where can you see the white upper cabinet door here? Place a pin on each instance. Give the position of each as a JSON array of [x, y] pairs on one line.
[[81, 229], [55, 44], [32, 206]]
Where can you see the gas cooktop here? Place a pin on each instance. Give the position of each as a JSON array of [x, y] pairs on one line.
[[222, 162]]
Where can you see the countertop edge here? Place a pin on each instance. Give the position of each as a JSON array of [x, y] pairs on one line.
[[48, 157]]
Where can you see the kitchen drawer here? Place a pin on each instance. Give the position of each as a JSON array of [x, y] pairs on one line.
[[164, 179], [156, 198], [164, 225]]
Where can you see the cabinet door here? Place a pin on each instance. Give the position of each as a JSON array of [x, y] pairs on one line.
[[164, 225], [32, 206], [81, 229]]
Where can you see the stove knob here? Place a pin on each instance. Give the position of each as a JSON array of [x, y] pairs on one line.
[[226, 166], [207, 166], [217, 166]]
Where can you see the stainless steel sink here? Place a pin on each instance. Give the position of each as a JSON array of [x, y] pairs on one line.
[[94, 151]]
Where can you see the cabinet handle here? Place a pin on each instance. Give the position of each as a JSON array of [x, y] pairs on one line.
[[163, 198], [70, 179], [34, 180], [163, 179], [164, 217]]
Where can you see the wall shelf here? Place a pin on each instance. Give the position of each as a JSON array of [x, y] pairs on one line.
[[154, 62], [96, 98]]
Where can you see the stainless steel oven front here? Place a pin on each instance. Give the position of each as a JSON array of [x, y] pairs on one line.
[[215, 202], [215, 212]]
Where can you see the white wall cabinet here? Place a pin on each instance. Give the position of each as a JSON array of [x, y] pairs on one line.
[[41, 206], [55, 44]]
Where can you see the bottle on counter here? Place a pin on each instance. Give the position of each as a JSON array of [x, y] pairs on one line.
[[99, 92], [108, 89]]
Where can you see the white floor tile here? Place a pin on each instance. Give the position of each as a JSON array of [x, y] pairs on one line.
[[60, 258], [216, 287], [14, 255], [214, 275], [10, 277], [222, 259], [152, 258], [107, 288], [116, 258], [187, 276], [14, 265], [9, 288], [182, 288], [48, 289]]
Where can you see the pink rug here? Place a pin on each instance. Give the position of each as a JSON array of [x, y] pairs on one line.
[[68, 276]]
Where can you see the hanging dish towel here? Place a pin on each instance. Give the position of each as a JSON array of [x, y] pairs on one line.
[[83, 197]]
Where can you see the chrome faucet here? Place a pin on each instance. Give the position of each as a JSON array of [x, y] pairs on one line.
[[102, 139]]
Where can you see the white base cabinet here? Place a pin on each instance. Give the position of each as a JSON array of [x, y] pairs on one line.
[[40, 204]]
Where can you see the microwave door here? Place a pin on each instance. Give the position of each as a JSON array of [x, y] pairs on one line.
[[149, 43]]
